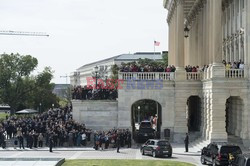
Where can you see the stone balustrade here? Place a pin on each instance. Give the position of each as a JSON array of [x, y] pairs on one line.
[[146, 75], [234, 73], [194, 75]]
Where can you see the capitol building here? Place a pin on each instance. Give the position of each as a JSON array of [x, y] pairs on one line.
[[212, 104]]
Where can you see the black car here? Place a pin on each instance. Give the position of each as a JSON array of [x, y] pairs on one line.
[[219, 154], [145, 132], [241, 160], [157, 148]]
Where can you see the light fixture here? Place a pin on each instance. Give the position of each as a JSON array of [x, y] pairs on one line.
[[186, 31], [96, 69]]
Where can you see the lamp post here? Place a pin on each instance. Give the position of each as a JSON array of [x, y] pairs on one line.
[[139, 114], [40, 105], [96, 71]]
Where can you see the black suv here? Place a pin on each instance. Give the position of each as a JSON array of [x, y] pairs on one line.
[[218, 154], [157, 148], [241, 160], [145, 131]]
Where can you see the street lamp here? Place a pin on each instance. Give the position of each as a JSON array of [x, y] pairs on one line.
[[139, 114], [52, 106], [186, 31], [96, 71]]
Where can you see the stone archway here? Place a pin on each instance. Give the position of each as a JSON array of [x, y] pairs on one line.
[[194, 114], [234, 113], [146, 109]]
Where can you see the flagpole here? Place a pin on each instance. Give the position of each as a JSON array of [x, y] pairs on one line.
[[154, 51]]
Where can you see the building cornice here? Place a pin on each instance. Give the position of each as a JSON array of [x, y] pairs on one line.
[[226, 3], [171, 6], [193, 13]]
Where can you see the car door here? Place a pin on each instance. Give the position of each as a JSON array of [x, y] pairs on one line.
[[145, 146], [207, 152], [151, 147]]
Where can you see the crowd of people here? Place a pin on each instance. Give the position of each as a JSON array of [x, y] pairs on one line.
[[235, 65], [115, 138], [133, 67], [190, 68], [56, 128], [87, 93]]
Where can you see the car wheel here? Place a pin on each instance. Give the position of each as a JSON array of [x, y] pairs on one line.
[[154, 154], [203, 161], [170, 155], [143, 153]]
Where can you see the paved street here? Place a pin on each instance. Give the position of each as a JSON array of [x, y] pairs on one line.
[[89, 153]]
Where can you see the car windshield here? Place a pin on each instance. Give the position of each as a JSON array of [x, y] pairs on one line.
[[145, 125], [162, 143], [231, 149]]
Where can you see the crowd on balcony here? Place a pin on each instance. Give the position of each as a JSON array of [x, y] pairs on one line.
[[193, 69], [134, 67], [90, 93], [234, 65]]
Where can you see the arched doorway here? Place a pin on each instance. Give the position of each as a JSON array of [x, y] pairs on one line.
[[234, 113], [146, 110], [194, 114]]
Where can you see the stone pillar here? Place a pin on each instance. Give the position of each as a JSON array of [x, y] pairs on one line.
[[218, 69], [204, 116], [247, 38], [217, 131], [200, 41], [180, 72], [171, 42], [208, 115]]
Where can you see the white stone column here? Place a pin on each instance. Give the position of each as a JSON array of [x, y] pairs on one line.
[[171, 42], [180, 72], [205, 125], [208, 115], [218, 69], [200, 40]]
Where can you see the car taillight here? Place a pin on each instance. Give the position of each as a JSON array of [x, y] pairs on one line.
[[219, 156], [157, 148]]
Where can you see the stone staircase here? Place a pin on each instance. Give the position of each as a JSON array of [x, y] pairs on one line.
[[199, 143]]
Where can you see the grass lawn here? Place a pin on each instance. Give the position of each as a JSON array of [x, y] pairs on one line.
[[2, 115], [123, 163]]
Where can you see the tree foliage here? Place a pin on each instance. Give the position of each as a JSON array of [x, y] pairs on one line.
[[19, 88]]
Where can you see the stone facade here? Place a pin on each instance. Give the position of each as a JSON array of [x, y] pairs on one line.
[[218, 30]]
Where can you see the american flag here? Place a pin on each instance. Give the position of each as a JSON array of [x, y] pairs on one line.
[[156, 43]]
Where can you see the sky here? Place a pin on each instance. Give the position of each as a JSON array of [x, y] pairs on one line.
[[82, 31]]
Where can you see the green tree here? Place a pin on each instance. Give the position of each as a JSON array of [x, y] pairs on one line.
[[19, 88], [15, 83], [165, 57]]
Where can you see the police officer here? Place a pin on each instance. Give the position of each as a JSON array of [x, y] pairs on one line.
[[118, 142], [51, 142], [186, 141]]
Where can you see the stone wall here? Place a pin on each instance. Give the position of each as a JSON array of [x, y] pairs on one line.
[[96, 114]]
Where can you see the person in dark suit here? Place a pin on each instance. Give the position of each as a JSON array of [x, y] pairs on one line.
[[118, 142], [20, 138], [186, 141], [51, 143]]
